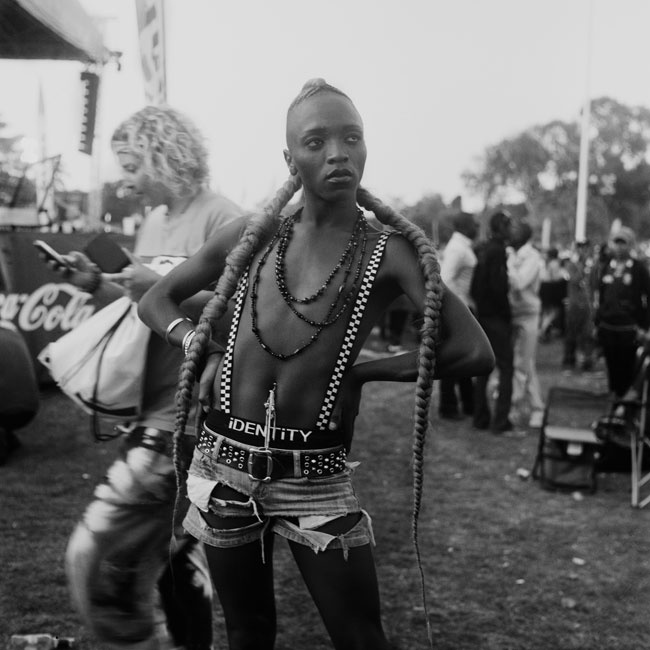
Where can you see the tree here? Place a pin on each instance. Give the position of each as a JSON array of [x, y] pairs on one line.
[[426, 213], [540, 167]]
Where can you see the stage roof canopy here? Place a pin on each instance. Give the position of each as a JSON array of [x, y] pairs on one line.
[[49, 29]]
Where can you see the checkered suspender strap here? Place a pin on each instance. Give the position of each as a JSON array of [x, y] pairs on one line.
[[351, 333], [226, 373], [346, 348]]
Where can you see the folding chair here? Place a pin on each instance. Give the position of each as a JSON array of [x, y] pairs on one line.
[[568, 447], [639, 441], [628, 425]]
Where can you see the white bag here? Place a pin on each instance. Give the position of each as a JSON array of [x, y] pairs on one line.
[[100, 364]]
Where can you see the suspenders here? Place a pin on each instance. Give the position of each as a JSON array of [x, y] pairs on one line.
[[346, 348]]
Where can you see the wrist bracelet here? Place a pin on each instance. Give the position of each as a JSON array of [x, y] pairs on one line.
[[93, 283], [172, 325], [187, 341]]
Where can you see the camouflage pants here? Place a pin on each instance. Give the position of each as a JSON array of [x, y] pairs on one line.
[[133, 585]]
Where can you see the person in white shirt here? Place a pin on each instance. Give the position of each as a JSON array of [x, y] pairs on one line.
[[456, 269], [525, 264]]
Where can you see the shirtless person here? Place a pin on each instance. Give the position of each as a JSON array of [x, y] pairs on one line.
[[271, 458]]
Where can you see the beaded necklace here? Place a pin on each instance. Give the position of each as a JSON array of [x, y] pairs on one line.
[[283, 236]]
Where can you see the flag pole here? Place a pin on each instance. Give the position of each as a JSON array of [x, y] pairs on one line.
[[583, 164]]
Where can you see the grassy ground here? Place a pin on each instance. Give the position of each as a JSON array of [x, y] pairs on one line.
[[508, 565]]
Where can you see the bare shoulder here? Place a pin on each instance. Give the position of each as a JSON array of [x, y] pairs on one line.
[[399, 257]]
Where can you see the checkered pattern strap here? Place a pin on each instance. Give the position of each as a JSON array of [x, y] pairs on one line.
[[226, 373], [351, 333]]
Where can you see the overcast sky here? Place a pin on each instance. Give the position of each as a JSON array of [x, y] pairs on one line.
[[435, 81]]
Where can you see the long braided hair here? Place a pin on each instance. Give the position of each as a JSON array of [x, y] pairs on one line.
[[259, 228]]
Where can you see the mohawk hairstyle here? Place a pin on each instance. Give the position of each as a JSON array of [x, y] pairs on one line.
[[314, 87]]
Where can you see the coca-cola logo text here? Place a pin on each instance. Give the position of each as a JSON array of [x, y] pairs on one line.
[[43, 309]]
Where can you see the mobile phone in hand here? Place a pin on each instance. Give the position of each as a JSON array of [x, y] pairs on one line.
[[51, 255], [104, 251]]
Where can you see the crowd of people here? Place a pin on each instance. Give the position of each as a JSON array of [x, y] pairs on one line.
[[596, 299], [265, 314]]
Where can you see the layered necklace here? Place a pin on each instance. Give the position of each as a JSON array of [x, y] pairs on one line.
[[357, 242]]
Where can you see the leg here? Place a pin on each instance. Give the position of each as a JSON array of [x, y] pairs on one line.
[[482, 413], [533, 390], [345, 591], [186, 596], [466, 388], [519, 364], [499, 333], [570, 338], [243, 578], [448, 403], [117, 553], [585, 340]]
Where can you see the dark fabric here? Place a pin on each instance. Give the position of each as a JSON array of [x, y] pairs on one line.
[[499, 333], [184, 601], [621, 366], [18, 386], [489, 288], [552, 293], [265, 464], [449, 399], [578, 335], [624, 300]]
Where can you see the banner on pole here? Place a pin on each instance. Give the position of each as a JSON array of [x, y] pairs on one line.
[[151, 31]]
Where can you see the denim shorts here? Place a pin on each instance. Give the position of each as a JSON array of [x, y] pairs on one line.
[[290, 507]]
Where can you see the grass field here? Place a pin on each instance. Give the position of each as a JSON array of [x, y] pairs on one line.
[[509, 566]]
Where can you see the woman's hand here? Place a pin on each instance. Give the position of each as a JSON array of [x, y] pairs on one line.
[[80, 271], [208, 380], [136, 278]]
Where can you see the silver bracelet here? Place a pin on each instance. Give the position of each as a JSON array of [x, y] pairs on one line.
[[187, 341], [172, 325]]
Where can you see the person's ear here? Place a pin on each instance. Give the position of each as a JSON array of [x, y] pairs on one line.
[[287, 157]]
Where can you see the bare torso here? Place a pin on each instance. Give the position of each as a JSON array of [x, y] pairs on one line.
[[301, 380]]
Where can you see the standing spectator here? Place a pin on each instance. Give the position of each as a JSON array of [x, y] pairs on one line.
[[578, 339], [525, 265], [456, 269], [489, 290], [119, 563], [622, 316], [552, 292]]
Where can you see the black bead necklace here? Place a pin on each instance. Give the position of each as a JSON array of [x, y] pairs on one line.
[[283, 237], [347, 255]]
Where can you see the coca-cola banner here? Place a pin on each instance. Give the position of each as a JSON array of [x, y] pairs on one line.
[[33, 297]]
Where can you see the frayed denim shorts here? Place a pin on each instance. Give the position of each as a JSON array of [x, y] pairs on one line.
[[293, 508]]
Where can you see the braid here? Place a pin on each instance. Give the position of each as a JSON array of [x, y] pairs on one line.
[[429, 336], [256, 232]]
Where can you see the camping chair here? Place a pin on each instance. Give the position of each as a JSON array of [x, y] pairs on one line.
[[568, 446], [628, 425]]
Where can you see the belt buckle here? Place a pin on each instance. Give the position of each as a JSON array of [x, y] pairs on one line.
[[255, 454]]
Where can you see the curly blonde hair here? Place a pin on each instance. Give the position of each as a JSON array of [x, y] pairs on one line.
[[170, 146]]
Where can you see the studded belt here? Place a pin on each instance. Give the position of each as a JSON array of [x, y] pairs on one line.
[[266, 464]]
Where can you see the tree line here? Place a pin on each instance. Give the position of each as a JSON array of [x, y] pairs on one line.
[[534, 173]]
